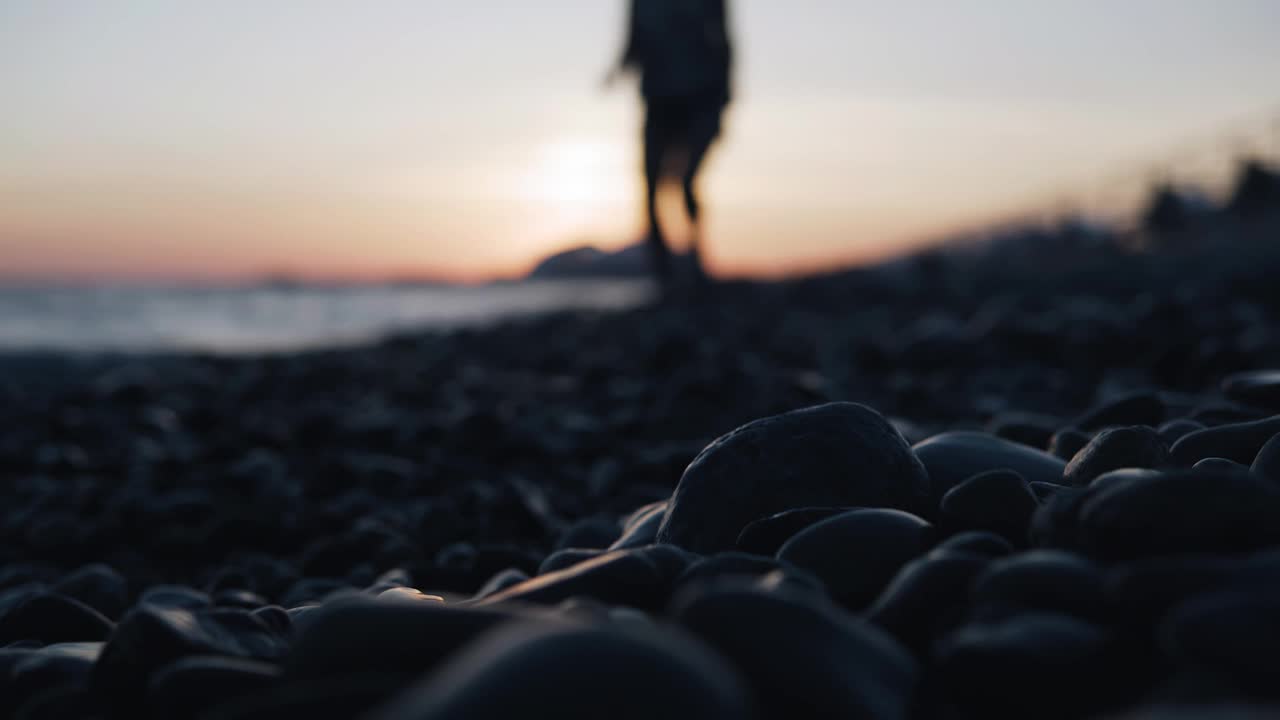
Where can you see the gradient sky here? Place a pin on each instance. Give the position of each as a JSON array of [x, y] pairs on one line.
[[154, 138]]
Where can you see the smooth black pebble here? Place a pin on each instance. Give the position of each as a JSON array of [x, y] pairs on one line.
[[998, 501], [837, 455], [856, 554]]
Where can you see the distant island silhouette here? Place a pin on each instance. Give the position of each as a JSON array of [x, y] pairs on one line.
[[589, 261]]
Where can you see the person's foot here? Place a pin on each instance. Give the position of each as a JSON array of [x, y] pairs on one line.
[[697, 272], [659, 257]]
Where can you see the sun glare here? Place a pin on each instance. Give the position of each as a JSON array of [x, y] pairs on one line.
[[575, 174], [575, 186]]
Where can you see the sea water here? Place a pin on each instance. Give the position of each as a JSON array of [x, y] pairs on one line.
[[275, 317]]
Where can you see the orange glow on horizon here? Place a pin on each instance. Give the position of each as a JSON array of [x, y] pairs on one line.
[[226, 141]]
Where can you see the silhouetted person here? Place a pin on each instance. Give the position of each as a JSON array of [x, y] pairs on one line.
[[682, 53]]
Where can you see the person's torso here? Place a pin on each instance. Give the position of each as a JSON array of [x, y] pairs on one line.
[[682, 47]]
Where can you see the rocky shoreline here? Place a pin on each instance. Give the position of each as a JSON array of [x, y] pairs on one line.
[[959, 488]]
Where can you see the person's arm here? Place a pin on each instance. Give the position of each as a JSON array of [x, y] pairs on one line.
[[631, 51], [630, 58], [719, 36]]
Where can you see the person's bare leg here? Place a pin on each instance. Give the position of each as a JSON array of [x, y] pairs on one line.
[[660, 254], [697, 153]]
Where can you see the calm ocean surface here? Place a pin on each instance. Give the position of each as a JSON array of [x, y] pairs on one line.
[[275, 318]]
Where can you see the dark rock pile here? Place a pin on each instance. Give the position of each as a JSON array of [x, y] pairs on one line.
[[1051, 497]]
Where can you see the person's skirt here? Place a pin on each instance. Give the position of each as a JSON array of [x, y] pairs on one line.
[[680, 127]]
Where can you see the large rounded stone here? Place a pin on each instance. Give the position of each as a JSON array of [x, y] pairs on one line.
[[840, 454], [579, 673], [802, 659], [952, 458]]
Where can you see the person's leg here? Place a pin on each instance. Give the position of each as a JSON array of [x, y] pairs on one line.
[[703, 131], [655, 150]]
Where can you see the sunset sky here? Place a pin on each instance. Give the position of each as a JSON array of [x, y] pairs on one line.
[[467, 138]]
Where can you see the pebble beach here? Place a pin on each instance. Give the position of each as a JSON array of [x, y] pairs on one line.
[[951, 487]]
